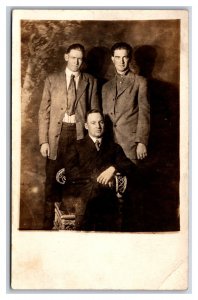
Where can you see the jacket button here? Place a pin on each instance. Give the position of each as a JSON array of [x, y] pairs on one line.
[[56, 135], [115, 125], [61, 108], [58, 122]]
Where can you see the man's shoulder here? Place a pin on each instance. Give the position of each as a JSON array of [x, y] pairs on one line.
[[133, 76], [108, 84], [107, 140], [83, 141], [80, 142], [139, 78], [88, 76], [55, 75]]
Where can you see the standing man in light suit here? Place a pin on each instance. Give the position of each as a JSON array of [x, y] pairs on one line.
[[67, 96], [125, 105]]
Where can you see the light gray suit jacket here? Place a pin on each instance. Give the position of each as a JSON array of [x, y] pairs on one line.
[[53, 107], [128, 112]]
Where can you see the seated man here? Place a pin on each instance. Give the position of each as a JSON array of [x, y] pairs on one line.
[[92, 164]]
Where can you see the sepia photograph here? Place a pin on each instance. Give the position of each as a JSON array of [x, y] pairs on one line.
[[147, 115], [98, 104]]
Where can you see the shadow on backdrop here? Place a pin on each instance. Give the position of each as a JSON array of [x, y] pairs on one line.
[[161, 169], [98, 61]]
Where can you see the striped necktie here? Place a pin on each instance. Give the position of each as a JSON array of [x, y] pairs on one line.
[[71, 96], [97, 144]]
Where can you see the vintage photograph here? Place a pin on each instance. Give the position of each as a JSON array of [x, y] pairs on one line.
[[99, 124], [127, 72]]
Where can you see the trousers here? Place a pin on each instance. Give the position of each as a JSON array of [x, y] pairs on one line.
[[53, 190]]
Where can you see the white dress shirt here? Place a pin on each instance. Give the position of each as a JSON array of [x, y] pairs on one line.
[[94, 139], [68, 73]]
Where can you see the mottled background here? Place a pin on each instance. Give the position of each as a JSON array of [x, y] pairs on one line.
[[156, 56]]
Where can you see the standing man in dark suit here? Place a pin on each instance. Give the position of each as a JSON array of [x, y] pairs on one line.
[[67, 96], [125, 105], [96, 159]]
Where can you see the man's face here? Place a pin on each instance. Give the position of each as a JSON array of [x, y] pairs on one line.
[[74, 60], [121, 60], [95, 125]]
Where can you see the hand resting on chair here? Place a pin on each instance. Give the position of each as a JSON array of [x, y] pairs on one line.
[[108, 177]]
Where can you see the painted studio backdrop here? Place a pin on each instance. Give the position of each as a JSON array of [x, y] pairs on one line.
[[156, 56]]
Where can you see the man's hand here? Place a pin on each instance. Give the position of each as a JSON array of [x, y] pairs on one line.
[[45, 150], [106, 176], [141, 151]]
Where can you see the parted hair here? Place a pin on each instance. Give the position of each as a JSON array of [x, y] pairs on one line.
[[76, 47], [122, 45], [93, 111]]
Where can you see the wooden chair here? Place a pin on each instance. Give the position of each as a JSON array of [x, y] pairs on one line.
[[65, 220]]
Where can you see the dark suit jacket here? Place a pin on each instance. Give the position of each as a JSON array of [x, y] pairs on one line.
[[84, 161], [128, 112], [53, 107]]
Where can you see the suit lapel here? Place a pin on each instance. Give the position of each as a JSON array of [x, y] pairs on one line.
[[82, 84], [90, 142], [62, 86], [112, 91], [91, 145], [128, 81]]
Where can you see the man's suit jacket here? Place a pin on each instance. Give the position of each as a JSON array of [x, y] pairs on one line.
[[53, 107], [128, 112], [84, 161]]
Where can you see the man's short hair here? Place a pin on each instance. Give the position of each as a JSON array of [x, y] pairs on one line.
[[93, 111], [76, 47], [122, 45]]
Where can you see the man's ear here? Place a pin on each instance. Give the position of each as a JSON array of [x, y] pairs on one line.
[[86, 127], [66, 57], [112, 58]]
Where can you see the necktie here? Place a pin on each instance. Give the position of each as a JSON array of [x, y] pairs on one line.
[[71, 96], [97, 144]]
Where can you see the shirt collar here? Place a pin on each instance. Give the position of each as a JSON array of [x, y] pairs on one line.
[[123, 74], [94, 139], [68, 73]]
